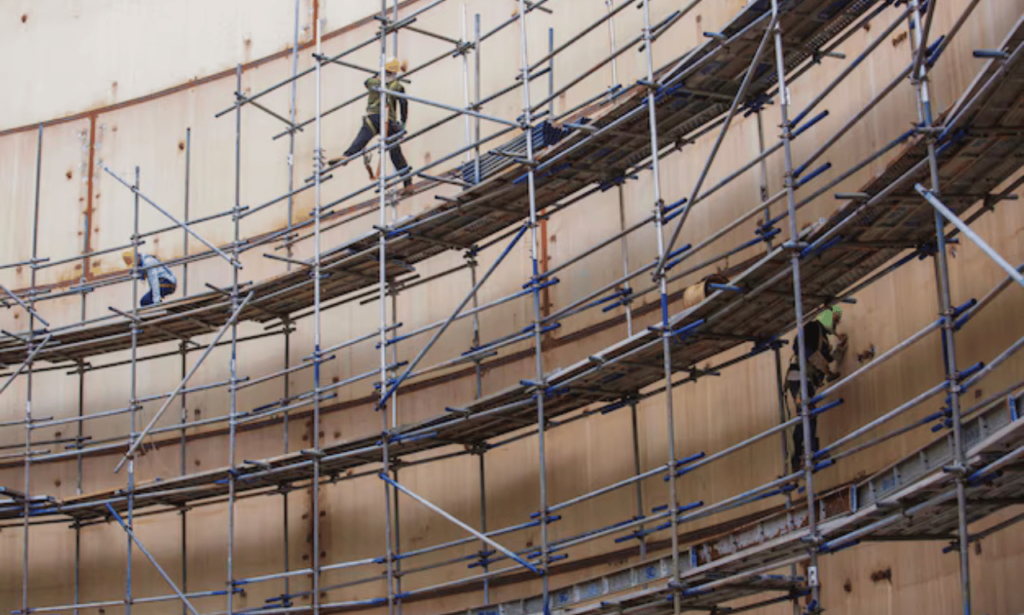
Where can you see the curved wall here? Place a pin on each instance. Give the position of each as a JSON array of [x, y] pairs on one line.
[[79, 209], [80, 50]]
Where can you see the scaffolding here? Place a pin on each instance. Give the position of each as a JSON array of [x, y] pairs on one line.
[[962, 163]]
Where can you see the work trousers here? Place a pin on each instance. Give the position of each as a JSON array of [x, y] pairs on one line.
[[166, 288], [814, 380], [371, 127]]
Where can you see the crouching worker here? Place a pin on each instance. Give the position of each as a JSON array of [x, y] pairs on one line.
[[820, 357], [161, 281], [371, 121]]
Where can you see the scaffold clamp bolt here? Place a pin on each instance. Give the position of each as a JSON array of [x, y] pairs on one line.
[[812, 576], [956, 469]]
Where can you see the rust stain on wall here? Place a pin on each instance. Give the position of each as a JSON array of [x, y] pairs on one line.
[[87, 246]]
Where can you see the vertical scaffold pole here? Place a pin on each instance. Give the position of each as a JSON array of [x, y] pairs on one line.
[[783, 417], [798, 308], [184, 371], [394, 37], [232, 418], [78, 446], [763, 196], [923, 91], [318, 161], [476, 98], [467, 120], [627, 292], [483, 522], [397, 534], [538, 332], [382, 290], [551, 74], [609, 4], [478, 392], [393, 290], [90, 141], [666, 333], [763, 193], [133, 402], [28, 376], [287, 328]]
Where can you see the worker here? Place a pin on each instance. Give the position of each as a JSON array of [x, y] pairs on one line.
[[371, 121], [820, 357], [161, 281]]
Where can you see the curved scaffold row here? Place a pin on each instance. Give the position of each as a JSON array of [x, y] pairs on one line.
[[687, 314]]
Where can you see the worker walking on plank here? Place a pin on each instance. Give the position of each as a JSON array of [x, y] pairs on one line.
[[371, 121], [161, 281], [819, 352]]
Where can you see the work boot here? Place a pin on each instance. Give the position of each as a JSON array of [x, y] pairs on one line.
[[407, 180]]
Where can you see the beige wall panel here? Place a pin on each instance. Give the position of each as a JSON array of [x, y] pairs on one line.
[[206, 534], [50, 546], [79, 50], [570, 235], [18, 174], [61, 207], [596, 451], [921, 579], [61, 215]]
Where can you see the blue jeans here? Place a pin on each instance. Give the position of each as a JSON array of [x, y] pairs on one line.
[[166, 288]]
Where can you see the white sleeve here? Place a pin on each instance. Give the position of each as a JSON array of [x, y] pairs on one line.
[[153, 276]]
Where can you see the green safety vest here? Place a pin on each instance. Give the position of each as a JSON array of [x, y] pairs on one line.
[[373, 100]]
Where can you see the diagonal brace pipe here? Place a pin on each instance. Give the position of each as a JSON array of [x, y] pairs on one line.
[[440, 511], [740, 95], [271, 113], [24, 305], [187, 228], [966, 230], [213, 344], [24, 363], [152, 560], [454, 315]]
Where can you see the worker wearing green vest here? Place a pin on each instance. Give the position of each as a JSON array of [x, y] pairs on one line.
[[820, 357]]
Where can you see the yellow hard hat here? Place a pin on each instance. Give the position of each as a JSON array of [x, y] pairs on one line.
[[128, 256], [392, 65]]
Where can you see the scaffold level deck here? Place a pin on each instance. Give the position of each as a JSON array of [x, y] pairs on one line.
[[710, 76], [977, 155], [936, 171], [916, 504]]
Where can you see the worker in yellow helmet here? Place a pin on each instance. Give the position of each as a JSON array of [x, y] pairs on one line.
[[371, 121], [161, 281], [820, 357]]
